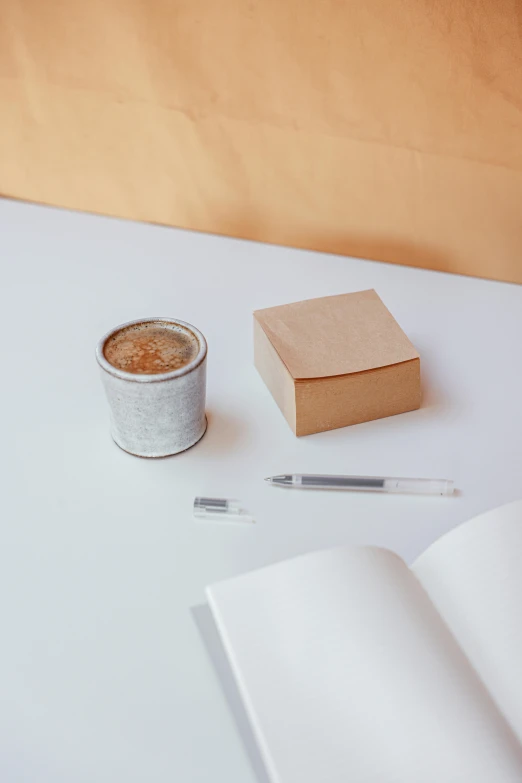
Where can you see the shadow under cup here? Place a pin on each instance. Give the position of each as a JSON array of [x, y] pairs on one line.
[[154, 374]]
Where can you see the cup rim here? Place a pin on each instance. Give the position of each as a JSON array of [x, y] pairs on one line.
[[158, 377]]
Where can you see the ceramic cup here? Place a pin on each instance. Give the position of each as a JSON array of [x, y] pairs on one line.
[[158, 413]]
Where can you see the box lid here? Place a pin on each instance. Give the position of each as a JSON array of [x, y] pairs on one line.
[[335, 335]]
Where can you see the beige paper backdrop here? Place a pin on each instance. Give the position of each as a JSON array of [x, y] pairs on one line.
[[390, 129]]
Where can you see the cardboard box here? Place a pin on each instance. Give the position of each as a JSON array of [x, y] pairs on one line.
[[336, 361], [387, 130]]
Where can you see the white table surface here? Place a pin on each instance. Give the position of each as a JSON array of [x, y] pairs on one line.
[[103, 675]]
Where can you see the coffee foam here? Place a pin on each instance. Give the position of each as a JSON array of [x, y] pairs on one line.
[[151, 348]]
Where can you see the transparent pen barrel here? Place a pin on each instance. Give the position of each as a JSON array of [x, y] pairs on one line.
[[415, 486], [418, 486]]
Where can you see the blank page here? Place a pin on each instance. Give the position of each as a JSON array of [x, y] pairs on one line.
[[474, 577], [348, 673]]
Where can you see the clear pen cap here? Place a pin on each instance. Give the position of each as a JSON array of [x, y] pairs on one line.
[[221, 510]]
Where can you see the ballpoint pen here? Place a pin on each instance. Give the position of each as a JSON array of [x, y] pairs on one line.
[[416, 486]]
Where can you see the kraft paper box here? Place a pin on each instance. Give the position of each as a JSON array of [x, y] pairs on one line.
[[387, 129], [336, 361]]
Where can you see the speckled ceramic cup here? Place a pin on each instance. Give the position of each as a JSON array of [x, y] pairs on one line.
[[154, 374]]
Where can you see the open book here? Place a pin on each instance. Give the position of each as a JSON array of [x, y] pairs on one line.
[[355, 668]]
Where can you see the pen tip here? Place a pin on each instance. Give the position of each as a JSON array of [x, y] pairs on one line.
[[269, 479]]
